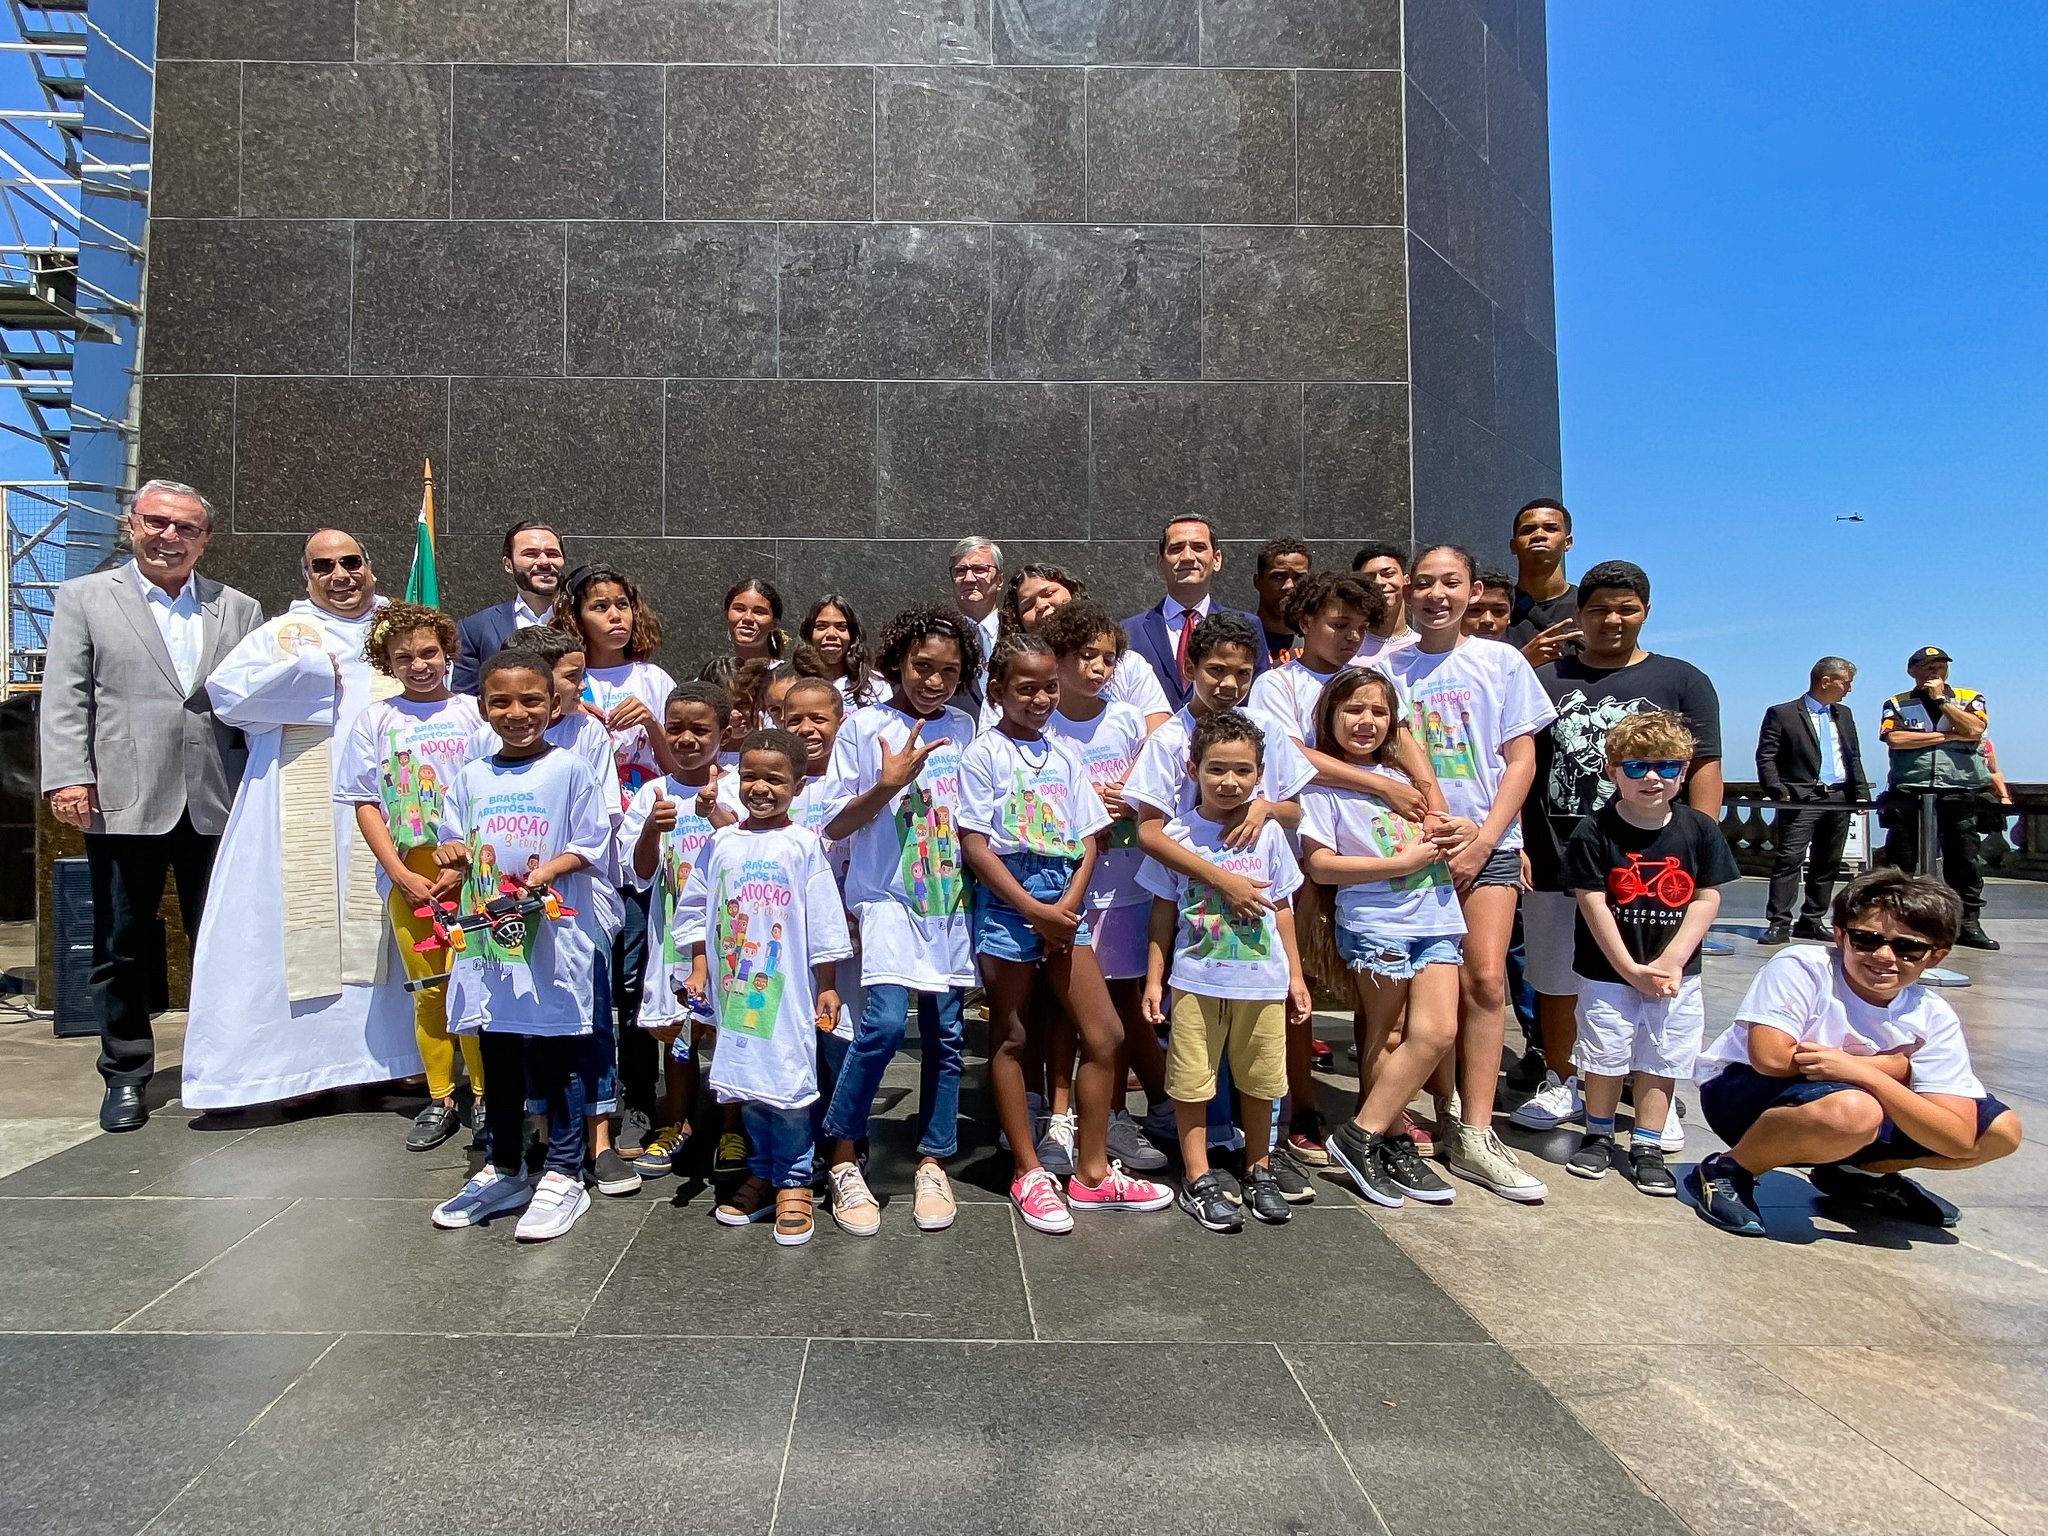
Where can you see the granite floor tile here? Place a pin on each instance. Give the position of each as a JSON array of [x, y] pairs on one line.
[[121, 1165], [177, 1403], [54, 1254], [1228, 1443], [362, 1156], [389, 1434], [340, 1265]]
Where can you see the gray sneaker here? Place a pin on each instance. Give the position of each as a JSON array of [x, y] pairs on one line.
[[1412, 1175], [1363, 1155], [1594, 1156], [1478, 1155], [557, 1201], [1131, 1147]]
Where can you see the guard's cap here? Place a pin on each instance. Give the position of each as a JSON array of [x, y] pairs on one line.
[[1928, 653]]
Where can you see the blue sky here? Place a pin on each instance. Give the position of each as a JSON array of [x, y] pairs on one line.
[[1800, 271]]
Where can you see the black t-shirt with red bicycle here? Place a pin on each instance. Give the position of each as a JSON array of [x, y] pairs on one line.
[[1649, 878]]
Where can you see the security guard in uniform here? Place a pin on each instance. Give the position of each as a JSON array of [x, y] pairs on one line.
[[1936, 737]]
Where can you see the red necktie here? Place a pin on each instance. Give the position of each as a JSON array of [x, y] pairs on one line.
[[1180, 657]]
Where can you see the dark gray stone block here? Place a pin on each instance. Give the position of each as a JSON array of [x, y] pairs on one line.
[[1503, 20], [1229, 452], [1525, 386], [685, 579], [975, 1412], [497, 31], [888, 576], [1001, 459], [1446, 59], [1517, 132], [1350, 127], [1450, 190], [1303, 304], [678, 31], [584, 454], [772, 459], [1178, 146], [1355, 443], [179, 1402], [1533, 54], [1309, 34], [255, 29], [1420, 1425], [771, 144], [248, 297], [962, 143], [54, 1272], [885, 31], [345, 141], [297, 1159], [1089, 302], [188, 434], [474, 298], [1467, 481], [195, 170], [672, 300], [341, 451], [576, 141], [1539, 293], [129, 1163], [888, 301], [1096, 31], [1508, 224], [1452, 327]]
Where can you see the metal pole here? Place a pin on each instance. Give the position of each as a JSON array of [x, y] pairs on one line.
[[1930, 866]]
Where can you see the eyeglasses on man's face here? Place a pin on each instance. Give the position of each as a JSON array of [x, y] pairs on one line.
[[973, 572], [164, 527], [323, 565]]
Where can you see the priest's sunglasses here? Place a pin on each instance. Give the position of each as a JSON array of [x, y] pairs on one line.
[[323, 565], [1868, 941], [163, 527], [1663, 767]]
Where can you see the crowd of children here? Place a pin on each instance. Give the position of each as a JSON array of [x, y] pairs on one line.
[[601, 878]]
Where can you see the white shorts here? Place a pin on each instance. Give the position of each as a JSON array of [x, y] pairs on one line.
[[1622, 1031], [1547, 942]]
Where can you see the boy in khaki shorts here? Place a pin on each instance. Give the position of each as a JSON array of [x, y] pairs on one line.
[[1235, 983]]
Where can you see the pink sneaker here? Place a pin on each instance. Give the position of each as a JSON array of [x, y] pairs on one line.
[[1118, 1192], [1037, 1195]]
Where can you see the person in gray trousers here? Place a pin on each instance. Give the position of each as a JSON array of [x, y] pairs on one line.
[[133, 757]]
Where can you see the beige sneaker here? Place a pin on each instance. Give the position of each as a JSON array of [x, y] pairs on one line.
[[932, 1206], [854, 1206], [1478, 1155]]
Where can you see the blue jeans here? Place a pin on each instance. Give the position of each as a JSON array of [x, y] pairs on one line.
[[638, 1054], [544, 1066], [781, 1144], [876, 1039], [832, 1051]]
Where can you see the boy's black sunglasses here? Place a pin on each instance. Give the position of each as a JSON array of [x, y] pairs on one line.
[[1868, 941]]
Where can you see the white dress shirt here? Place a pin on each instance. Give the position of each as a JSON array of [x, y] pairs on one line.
[[1178, 618], [524, 617], [1823, 717], [179, 621]]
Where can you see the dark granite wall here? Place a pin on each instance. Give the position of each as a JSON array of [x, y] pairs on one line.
[[808, 288]]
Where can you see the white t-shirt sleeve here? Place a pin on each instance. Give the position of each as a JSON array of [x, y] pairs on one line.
[[1090, 814], [1525, 708], [455, 811], [1318, 818], [1788, 994], [355, 779], [1285, 873], [1160, 881], [631, 824], [1134, 683], [692, 903], [587, 828], [1288, 772], [1941, 1063], [843, 774], [1157, 775], [824, 913], [1270, 700], [981, 802]]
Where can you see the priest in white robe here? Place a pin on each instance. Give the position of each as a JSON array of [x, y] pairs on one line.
[[291, 975]]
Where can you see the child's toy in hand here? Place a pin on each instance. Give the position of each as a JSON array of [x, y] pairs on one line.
[[505, 916]]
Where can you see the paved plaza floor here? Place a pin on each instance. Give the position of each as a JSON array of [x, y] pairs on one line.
[[246, 1323]]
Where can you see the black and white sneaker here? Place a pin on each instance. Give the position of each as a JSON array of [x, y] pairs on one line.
[[1593, 1158], [1411, 1173], [1227, 1184], [1884, 1194], [432, 1126], [1363, 1155], [1292, 1178], [1262, 1196], [1646, 1168], [612, 1174], [1204, 1200]]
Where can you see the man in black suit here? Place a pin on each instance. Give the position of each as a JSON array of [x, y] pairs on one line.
[[534, 561], [1807, 751], [1189, 558]]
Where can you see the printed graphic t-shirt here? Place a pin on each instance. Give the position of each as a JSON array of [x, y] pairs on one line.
[[1422, 905], [1028, 796], [676, 852], [1464, 706], [1108, 747], [401, 756], [1649, 878], [604, 687], [529, 976], [1161, 777], [1214, 953], [766, 909], [905, 880]]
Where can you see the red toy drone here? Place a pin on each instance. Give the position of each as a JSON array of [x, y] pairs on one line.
[[505, 916]]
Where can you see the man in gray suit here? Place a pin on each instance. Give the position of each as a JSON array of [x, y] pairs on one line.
[[133, 756]]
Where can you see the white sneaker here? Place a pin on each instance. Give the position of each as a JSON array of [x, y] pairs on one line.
[[1673, 1139], [557, 1201], [1550, 1106], [489, 1194], [1056, 1145], [1478, 1155], [1128, 1145], [854, 1205]]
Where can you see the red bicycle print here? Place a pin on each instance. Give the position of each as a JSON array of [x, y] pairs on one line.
[[1663, 879]]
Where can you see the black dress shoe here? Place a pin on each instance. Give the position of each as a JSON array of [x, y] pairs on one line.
[[1812, 932], [1974, 937], [1777, 933], [122, 1109]]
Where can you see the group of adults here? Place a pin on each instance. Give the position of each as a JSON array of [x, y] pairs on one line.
[[187, 737]]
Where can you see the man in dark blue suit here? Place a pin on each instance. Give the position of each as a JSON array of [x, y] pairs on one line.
[[1189, 558], [533, 559]]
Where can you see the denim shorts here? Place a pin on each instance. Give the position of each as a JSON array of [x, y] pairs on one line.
[[1502, 867], [1000, 931], [1397, 958]]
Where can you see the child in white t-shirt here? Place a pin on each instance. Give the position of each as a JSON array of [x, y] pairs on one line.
[[1236, 982], [1840, 1059], [762, 894], [524, 821], [395, 770]]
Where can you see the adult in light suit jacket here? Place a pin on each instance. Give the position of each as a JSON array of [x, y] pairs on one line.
[[1189, 558], [534, 561], [133, 756], [1807, 751]]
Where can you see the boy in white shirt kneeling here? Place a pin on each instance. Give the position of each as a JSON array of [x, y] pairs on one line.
[[1839, 1060]]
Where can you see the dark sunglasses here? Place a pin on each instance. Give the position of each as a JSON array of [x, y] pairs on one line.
[[323, 565], [1664, 768], [1868, 941]]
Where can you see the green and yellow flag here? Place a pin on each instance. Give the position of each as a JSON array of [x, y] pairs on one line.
[[423, 586]]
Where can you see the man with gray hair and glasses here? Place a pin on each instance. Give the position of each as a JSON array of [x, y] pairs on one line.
[[133, 756], [976, 567], [1807, 751]]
